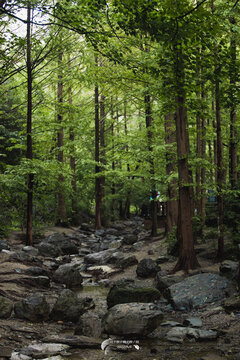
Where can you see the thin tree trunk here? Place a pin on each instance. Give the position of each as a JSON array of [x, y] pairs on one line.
[[62, 213], [102, 156], [187, 257], [29, 155], [149, 120], [172, 203], [220, 173], [233, 160], [113, 189], [72, 161], [98, 222], [128, 199]]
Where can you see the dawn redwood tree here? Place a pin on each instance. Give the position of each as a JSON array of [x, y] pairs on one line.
[[29, 155]]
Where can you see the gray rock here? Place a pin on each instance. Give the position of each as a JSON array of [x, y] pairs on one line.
[[132, 319], [171, 323], [193, 322], [42, 281], [67, 307], [90, 324], [34, 308], [57, 244], [22, 256], [41, 349], [126, 261], [228, 268], [126, 291], [30, 250], [4, 245], [130, 239], [16, 355], [98, 258], [6, 307], [162, 259], [179, 334], [36, 271], [68, 274], [164, 281], [196, 291], [47, 249], [147, 268]]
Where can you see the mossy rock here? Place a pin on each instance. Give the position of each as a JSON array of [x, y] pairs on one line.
[[124, 292]]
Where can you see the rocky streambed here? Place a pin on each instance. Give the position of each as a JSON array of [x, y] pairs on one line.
[[107, 294]]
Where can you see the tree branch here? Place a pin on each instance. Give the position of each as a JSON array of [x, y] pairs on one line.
[[192, 10]]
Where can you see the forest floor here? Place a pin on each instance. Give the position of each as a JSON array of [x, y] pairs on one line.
[[16, 333]]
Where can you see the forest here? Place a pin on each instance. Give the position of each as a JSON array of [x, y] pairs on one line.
[[119, 179], [107, 106]]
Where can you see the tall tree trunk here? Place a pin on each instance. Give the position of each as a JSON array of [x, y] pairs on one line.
[[72, 160], [102, 155], [149, 120], [233, 160], [98, 222], [29, 154], [113, 189], [187, 257], [62, 213], [203, 169], [172, 203], [220, 172], [128, 199]]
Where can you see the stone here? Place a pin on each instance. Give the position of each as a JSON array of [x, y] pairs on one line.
[[132, 319], [126, 291], [6, 307], [164, 281], [67, 307], [130, 239], [162, 259], [179, 334], [22, 256], [65, 243], [193, 322], [147, 268], [43, 281], [39, 350], [170, 323], [36, 271], [4, 245], [126, 261], [30, 250], [103, 269], [47, 249], [228, 268], [16, 355], [196, 291], [83, 342], [68, 274], [34, 308], [98, 258], [232, 304], [89, 324]]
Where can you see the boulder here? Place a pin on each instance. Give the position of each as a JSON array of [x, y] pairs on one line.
[[98, 258], [196, 291], [6, 307], [164, 281], [68, 274], [34, 308], [89, 324], [193, 322], [130, 239], [57, 244], [47, 249], [67, 307], [126, 291], [30, 250], [179, 334], [126, 261], [36, 271], [147, 268], [132, 319]]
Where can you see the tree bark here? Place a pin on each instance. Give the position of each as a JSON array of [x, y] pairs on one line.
[[187, 257], [128, 199], [29, 155], [98, 222], [233, 159], [172, 203], [62, 213], [149, 120], [102, 156]]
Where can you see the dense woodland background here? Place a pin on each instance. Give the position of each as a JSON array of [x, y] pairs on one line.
[[104, 104]]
